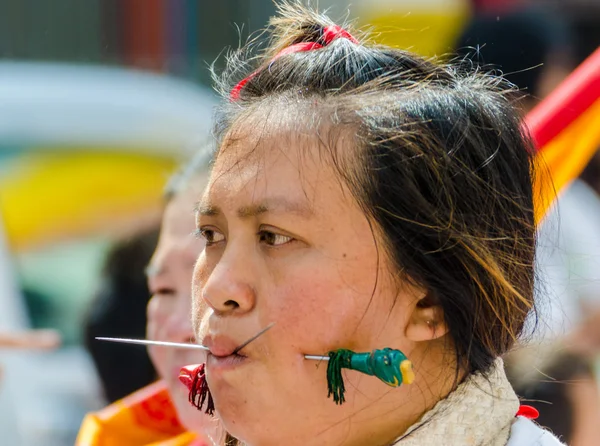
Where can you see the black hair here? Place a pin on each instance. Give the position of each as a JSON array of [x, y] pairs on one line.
[[437, 160]]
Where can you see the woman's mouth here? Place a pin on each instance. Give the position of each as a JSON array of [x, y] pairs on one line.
[[227, 354], [226, 362], [223, 353]]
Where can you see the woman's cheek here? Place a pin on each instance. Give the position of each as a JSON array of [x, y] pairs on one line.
[[312, 315]]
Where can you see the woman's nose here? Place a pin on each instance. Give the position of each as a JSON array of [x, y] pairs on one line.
[[227, 289]]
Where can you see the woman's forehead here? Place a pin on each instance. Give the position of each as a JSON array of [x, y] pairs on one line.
[[275, 172], [255, 184]]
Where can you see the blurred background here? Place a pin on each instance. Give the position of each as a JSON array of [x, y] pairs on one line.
[[99, 102]]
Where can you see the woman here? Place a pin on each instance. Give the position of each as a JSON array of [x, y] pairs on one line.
[[362, 197]]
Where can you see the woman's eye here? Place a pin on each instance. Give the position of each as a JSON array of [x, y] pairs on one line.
[[210, 235], [272, 239]]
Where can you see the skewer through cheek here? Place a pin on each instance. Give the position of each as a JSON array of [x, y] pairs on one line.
[[388, 365]]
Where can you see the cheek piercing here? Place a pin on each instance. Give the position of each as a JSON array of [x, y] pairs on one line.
[[388, 365]]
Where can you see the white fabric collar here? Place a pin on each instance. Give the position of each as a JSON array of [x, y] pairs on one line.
[[480, 412], [525, 432]]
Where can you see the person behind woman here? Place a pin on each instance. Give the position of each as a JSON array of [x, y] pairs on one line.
[[361, 198], [160, 413], [169, 280]]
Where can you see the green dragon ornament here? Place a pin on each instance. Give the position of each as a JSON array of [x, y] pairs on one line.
[[389, 365]]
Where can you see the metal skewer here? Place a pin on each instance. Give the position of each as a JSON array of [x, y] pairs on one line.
[[317, 357], [161, 343], [194, 346], [260, 333]]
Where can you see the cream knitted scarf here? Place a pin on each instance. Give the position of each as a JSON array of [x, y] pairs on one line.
[[479, 412]]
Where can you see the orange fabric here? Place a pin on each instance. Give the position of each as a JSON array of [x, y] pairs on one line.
[[566, 131], [144, 418], [565, 157], [567, 102]]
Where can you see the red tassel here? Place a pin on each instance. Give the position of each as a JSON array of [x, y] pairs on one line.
[[194, 378], [186, 375]]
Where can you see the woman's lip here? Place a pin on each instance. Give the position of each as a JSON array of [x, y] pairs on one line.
[[223, 363], [219, 345]]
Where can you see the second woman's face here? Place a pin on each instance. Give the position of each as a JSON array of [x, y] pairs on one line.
[[286, 244], [169, 280]]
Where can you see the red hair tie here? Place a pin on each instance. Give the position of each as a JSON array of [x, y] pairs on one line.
[[330, 33]]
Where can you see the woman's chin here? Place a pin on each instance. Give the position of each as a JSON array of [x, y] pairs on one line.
[[235, 413]]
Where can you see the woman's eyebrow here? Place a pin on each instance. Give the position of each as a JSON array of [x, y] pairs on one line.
[[276, 205], [206, 209], [270, 205]]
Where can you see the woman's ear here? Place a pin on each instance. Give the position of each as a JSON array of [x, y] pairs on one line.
[[426, 322]]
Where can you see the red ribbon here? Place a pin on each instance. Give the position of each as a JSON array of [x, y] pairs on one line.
[[330, 33]]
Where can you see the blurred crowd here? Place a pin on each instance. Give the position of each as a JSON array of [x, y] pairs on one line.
[[139, 262]]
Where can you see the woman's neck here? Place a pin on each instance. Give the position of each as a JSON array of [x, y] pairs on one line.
[[389, 416]]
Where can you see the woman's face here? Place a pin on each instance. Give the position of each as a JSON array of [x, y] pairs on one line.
[[287, 244], [169, 279]]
